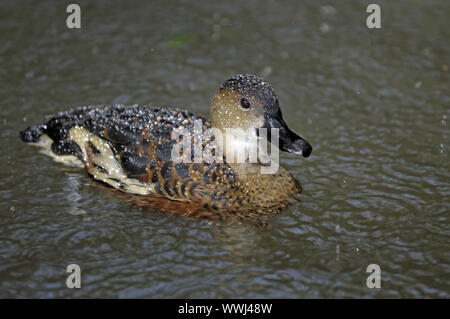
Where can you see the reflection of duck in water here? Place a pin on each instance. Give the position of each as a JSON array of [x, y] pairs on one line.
[[131, 149]]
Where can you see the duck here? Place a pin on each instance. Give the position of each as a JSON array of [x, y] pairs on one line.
[[175, 161]]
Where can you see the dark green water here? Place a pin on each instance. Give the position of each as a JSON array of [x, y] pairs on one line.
[[373, 103]]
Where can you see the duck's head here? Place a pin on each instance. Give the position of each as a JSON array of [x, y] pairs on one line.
[[248, 102]]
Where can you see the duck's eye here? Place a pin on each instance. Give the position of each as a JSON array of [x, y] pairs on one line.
[[245, 103]]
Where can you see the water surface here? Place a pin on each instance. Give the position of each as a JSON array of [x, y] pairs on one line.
[[373, 103]]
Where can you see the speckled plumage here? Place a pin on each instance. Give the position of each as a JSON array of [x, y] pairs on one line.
[[129, 148]]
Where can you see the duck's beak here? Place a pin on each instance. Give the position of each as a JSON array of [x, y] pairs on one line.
[[289, 141]]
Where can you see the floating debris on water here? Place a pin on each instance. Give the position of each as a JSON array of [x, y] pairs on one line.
[[180, 40], [327, 10], [325, 27]]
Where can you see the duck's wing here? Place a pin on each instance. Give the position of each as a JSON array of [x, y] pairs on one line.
[[130, 148], [122, 124]]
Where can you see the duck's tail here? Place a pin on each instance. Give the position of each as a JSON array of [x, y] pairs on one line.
[[32, 134], [53, 145]]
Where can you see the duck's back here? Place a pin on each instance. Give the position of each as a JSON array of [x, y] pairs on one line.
[[121, 125]]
